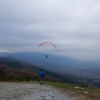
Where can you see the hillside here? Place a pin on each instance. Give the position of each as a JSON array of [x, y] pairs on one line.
[[62, 67], [15, 70], [12, 67]]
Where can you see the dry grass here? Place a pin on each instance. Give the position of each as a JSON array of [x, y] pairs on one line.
[[83, 93]]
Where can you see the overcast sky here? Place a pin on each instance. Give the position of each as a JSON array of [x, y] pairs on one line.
[[72, 25]]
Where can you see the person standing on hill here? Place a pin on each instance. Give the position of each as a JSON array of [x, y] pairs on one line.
[[41, 73]]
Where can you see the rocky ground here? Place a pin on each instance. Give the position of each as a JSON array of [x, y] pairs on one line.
[[31, 91]]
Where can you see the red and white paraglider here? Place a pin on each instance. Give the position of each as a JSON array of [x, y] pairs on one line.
[[47, 43]]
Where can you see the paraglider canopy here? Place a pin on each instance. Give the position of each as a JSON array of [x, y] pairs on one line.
[[47, 43]]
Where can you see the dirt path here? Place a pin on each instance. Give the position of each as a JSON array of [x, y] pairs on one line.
[[31, 91]]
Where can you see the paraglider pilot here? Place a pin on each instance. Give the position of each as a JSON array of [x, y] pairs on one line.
[[41, 73], [46, 56]]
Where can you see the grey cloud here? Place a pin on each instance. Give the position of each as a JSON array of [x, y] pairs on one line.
[[73, 25]]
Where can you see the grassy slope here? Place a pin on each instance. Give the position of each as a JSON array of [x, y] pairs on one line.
[[84, 93]]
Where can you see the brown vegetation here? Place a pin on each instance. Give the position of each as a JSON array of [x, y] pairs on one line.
[[15, 74]]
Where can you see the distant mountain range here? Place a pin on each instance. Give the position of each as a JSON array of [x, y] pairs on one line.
[[55, 63], [64, 66]]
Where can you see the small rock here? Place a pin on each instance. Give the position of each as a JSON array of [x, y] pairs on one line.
[[76, 87], [85, 92], [47, 98]]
